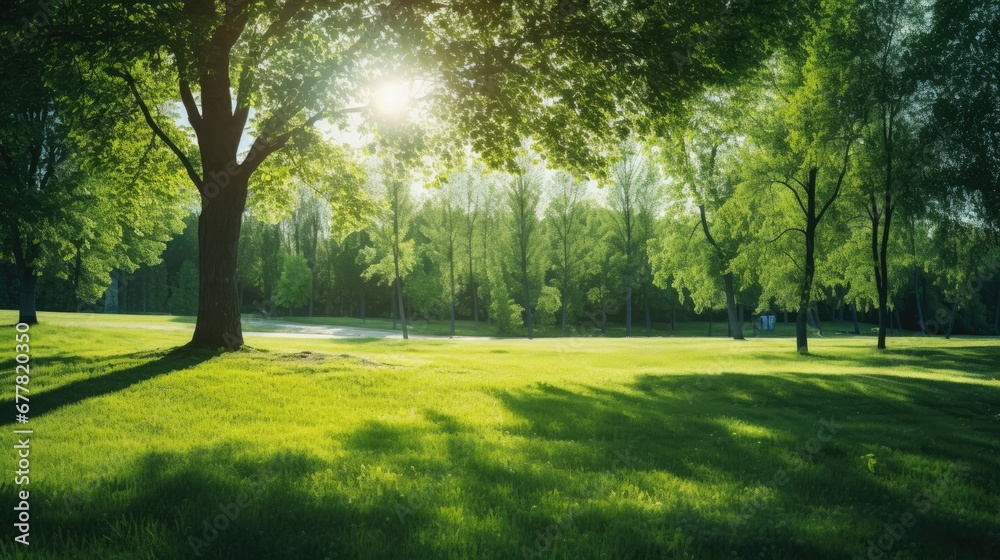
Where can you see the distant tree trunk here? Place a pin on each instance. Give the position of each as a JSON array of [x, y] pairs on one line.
[[649, 320], [472, 285], [785, 315], [392, 305], [951, 321], [628, 307], [854, 315], [899, 322], [527, 293], [27, 313], [77, 271], [673, 317], [920, 307], [709, 322], [451, 269], [735, 330], [402, 313], [604, 316]]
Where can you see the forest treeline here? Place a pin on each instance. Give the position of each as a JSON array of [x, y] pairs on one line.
[[572, 164]]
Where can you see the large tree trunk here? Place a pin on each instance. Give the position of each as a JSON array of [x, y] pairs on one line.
[[854, 316], [218, 242], [26, 311]]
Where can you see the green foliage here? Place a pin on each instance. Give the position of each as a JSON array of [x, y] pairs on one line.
[[548, 306], [295, 285], [184, 290], [505, 314]]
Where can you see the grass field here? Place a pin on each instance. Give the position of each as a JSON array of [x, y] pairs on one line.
[[553, 448]]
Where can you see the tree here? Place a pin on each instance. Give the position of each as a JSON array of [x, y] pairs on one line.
[[296, 284], [61, 171], [803, 146], [565, 214], [699, 157], [522, 197], [391, 256], [883, 81], [443, 230], [633, 196]]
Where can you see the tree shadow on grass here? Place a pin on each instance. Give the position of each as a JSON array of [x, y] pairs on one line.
[[158, 363], [665, 467]]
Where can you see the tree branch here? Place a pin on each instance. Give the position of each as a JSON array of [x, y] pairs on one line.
[[792, 189], [840, 181], [194, 116], [780, 235], [195, 178]]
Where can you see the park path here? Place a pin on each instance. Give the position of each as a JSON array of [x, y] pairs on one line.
[[299, 330]]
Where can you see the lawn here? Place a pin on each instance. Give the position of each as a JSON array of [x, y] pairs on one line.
[[552, 448]]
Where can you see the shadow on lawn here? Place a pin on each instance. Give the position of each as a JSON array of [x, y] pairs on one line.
[[589, 460], [157, 363]]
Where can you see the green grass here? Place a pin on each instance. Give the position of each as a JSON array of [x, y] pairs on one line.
[[557, 448]]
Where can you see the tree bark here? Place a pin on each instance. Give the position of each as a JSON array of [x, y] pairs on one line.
[[218, 242], [809, 270], [854, 316]]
